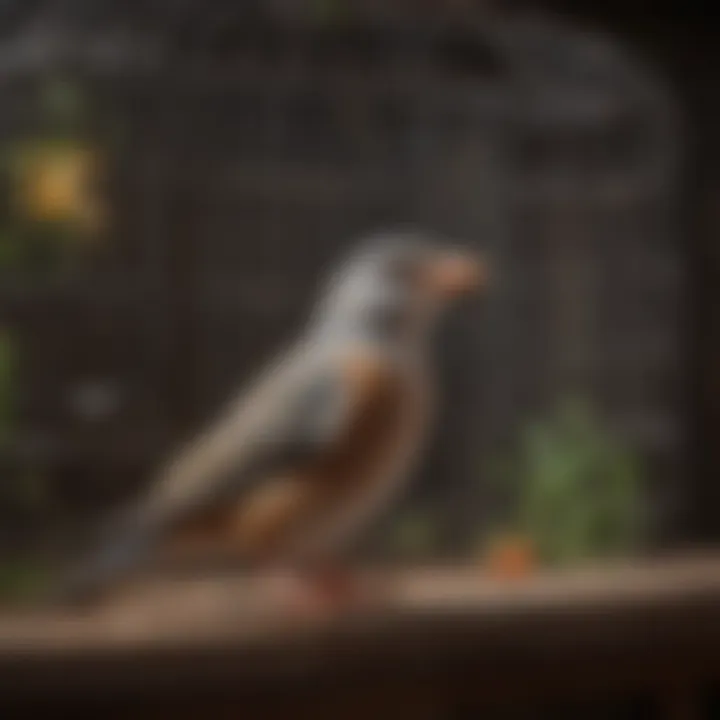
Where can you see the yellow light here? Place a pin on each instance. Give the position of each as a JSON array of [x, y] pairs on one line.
[[56, 185]]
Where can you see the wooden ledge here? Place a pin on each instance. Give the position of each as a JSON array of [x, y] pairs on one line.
[[641, 623]]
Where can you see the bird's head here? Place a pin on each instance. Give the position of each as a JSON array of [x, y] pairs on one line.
[[394, 287]]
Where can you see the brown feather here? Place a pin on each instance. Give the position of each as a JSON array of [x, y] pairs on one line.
[[265, 524]]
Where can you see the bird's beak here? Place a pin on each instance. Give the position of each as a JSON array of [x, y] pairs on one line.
[[457, 273]]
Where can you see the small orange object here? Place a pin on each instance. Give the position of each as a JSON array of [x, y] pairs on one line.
[[511, 557]]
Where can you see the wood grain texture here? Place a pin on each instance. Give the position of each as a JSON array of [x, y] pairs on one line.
[[448, 636]]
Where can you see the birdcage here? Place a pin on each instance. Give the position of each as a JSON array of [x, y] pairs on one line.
[[253, 150]]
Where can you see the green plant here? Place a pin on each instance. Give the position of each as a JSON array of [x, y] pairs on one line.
[[578, 490]]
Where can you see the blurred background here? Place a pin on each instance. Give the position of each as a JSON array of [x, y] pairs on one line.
[[178, 177]]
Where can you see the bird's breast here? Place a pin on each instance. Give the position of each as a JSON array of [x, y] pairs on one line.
[[371, 463]]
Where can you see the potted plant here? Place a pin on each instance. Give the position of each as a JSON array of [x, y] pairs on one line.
[[577, 495]]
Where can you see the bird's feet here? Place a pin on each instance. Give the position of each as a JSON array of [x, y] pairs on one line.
[[323, 593]]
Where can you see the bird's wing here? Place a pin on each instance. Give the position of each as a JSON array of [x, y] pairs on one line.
[[293, 417]]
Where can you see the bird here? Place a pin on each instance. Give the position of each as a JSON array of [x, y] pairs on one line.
[[322, 440]]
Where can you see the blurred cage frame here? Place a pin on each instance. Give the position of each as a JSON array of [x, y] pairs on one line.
[[256, 146]]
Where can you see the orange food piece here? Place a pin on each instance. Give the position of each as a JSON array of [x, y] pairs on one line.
[[511, 558]]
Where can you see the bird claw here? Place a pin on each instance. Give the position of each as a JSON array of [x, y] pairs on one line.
[[318, 596]]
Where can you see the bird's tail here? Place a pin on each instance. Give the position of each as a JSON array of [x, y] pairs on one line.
[[117, 556]]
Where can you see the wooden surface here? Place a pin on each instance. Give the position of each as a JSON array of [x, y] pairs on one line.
[[432, 636]]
